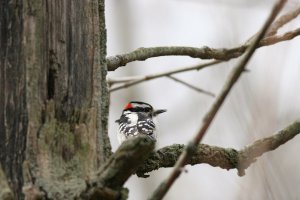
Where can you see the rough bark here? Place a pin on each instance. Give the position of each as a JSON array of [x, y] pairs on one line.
[[13, 116], [54, 102], [5, 192], [225, 158], [110, 178]]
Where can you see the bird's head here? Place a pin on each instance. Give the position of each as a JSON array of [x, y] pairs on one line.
[[141, 107]]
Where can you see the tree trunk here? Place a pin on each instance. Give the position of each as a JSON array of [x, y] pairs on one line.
[[54, 99]]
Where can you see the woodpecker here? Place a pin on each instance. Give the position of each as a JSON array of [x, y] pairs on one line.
[[137, 119]]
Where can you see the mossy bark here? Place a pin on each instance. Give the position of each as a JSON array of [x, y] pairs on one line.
[[54, 99]]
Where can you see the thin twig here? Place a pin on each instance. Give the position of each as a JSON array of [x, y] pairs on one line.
[[162, 189], [280, 38], [270, 39], [191, 86], [139, 79], [282, 20], [130, 81], [114, 62], [122, 79]]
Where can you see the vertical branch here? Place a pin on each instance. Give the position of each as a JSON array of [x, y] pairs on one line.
[[232, 79]]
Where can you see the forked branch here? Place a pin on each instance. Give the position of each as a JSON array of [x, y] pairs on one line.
[[114, 62], [130, 81], [134, 156]]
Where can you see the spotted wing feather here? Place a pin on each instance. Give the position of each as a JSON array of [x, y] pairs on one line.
[[131, 125], [147, 127]]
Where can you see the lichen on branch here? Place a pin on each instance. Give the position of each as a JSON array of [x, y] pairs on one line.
[[114, 62], [225, 158], [112, 175]]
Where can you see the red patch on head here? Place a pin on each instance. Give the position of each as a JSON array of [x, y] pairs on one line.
[[128, 106]]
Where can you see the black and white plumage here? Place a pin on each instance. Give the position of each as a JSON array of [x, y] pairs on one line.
[[137, 119]]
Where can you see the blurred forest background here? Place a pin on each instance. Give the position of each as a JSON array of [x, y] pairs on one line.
[[263, 101]]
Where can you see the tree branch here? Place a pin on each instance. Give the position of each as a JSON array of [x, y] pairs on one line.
[[114, 62], [162, 189], [118, 168], [191, 86], [280, 38], [282, 20], [248, 155], [134, 156], [130, 81], [125, 82], [225, 158]]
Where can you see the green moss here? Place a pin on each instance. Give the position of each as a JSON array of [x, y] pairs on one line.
[[56, 137], [66, 148], [61, 139], [124, 194], [232, 155]]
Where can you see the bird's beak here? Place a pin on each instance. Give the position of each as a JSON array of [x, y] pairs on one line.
[[157, 112]]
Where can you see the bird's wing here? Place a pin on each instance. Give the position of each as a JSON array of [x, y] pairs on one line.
[[128, 131], [146, 127]]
